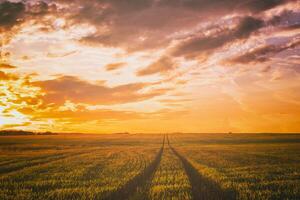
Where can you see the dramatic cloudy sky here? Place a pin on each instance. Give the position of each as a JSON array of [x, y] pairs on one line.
[[105, 66]]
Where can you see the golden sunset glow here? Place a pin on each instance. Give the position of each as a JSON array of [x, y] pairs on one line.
[[150, 66]]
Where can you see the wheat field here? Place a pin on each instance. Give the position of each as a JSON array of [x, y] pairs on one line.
[[145, 166]]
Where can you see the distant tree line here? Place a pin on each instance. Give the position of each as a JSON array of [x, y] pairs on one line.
[[21, 132]]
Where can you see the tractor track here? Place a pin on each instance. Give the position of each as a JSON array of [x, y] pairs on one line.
[[203, 188], [129, 188]]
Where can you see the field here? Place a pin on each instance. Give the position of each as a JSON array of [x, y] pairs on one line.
[[158, 166]]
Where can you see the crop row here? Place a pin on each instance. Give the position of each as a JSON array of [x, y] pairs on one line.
[[253, 171], [90, 175]]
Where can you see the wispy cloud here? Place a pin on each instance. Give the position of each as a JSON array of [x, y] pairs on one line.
[[114, 66], [72, 88], [163, 65]]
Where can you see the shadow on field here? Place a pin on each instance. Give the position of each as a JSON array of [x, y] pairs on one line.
[[131, 187], [203, 188]]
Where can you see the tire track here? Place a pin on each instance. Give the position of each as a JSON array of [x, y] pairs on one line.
[[203, 188], [127, 190]]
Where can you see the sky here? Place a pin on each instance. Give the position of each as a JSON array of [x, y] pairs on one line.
[[106, 66]]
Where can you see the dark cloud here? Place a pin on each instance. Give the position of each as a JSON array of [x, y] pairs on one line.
[[11, 13], [125, 22], [263, 53], [223, 5], [246, 27], [139, 30], [205, 44], [260, 5], [129, 5], [161, 66], [71, 88], [14, 14], [131, 24], [286, 20], [256, 55], [196, 46]]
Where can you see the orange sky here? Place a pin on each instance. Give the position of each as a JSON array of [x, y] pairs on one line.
[[150, 66]]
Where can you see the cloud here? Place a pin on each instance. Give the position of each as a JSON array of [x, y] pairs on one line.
[[137, 25], [114, 66], [81, 115], [260, 5], [60, 55], [6, 66], [225, 5], [262, 54], [23, 100], [39, 8], [135, 30], [7, 126], [286, 18], [11, 13], [68, 100], [131, 24], [7, 76], [247, 26], [163, 65], [286, 21], [204, 44], [78, 91], [13, 16], [3, 76], [14, 13]]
